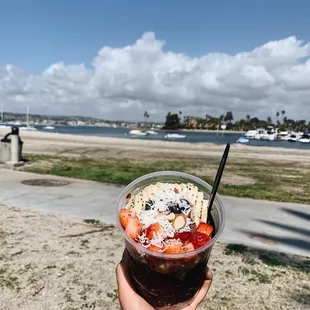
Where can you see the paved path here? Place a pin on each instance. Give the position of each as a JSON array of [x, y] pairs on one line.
[[283, 227]]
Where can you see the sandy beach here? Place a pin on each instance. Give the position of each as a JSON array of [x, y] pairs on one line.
[[54, 262], [66, 144]]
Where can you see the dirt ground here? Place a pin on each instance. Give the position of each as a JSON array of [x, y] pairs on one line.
[[52, 262]]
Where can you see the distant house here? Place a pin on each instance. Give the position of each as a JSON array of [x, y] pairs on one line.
[[191, 122]]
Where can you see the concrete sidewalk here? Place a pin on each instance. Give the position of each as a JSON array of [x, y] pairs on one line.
[[283, 227]]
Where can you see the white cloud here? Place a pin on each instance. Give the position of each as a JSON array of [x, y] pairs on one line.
[[124, 82]]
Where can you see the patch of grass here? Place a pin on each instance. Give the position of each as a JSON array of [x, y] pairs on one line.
[[91, 221], [273, 181], [255, 275], [84, 243], [7, 280], [232, 249], [261, 277], [250, 261], [113, 295], [270, 260]]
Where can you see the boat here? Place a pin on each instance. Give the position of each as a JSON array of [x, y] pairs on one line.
[[136, 132], [283, 135], [151, 132], [305, 138], [49, 127], [293, 137], [254, 134], [174, 136], [243, 140], [2, 124], [27, 127], [269, 134]]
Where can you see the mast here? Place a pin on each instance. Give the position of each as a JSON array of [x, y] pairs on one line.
[[28, 116], [1, 115]]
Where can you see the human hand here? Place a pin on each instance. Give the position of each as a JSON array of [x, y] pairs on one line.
[[131, 300]]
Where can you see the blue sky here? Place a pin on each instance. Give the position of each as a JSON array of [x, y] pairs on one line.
[[36, 33], [47, 40]]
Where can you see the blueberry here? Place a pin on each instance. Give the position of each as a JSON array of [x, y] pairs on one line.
[[175, 208], [185, 201], [149, 205]]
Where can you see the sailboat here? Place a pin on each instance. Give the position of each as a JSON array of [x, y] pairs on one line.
[[2, 124], [29, 128]]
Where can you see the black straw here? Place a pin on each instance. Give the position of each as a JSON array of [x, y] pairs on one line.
[[218, 178]]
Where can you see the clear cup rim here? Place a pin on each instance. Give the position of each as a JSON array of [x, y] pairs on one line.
[[162, 255]]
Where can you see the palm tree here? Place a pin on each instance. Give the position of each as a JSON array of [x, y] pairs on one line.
[[269, 120], [283, 113], [248, 117], [277, 115], [146, 116]]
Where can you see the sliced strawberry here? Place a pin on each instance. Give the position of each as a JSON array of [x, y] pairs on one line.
[[155, 248], [184, 236], [153, 231], [133, 227], [174, 248], [123, 217], [205, 229], [199, 239], [188, 247]]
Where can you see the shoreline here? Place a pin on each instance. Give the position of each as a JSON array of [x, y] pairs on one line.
[[214, 131], [56, 143]]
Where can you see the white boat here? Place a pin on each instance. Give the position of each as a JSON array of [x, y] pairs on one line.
[[136, 132], [28, 128], [2, 124], [283, 135], [305, 138], [293, 137], [49, 127], [151, 132], [175, 136], [254, 134], [243, 140], [269, 134]]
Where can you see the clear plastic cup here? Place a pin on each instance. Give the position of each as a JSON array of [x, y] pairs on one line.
[[169, 281]]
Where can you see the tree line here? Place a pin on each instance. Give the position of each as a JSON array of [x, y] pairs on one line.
[[176, 121]]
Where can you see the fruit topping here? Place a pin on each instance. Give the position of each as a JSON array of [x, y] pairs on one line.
[[205, 228], [175, 208], [199, 239], [188, 247], [185, 237], [123, 217], [149, 205], [167, 217], [155, 248], [153, 231], [133, 227], [174, 248]]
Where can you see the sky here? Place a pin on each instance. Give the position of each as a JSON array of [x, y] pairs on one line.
[[117, 59]]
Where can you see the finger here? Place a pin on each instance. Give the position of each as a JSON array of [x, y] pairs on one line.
[[124, 280], [204, 289]]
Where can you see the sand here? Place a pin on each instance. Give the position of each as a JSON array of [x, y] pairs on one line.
[[66, 144], [53, 262]]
